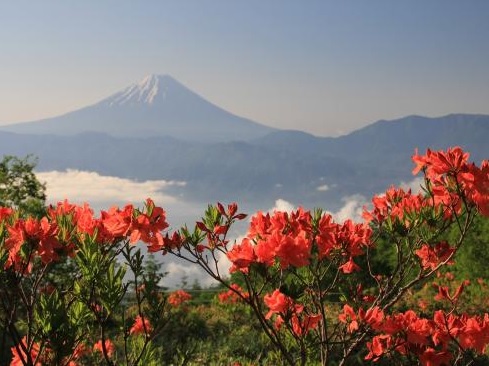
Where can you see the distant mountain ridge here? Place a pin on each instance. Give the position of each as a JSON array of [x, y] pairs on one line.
[[292, 165], [400, 136], [156, 106]]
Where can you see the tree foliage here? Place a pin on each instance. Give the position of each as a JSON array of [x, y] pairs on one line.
[[19, 186]]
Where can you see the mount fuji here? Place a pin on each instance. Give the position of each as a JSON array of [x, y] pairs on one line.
[[156, 106]]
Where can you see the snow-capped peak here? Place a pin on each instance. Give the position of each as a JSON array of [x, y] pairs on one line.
[[143, 92]]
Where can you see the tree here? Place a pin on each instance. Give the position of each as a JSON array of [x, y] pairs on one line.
[[473, 257], [19, 186]]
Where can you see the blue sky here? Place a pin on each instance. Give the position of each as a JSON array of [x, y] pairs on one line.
[[326, 67]]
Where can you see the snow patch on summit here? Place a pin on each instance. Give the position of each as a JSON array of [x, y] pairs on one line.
[[143, 92]]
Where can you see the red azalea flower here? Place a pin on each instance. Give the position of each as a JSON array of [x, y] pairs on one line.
[[19, 356], [178, 297], [140, 326], [109, 346], [277, 302]]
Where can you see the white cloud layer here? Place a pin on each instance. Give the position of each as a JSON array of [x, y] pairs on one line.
[[81, 186], [282, 205], [102, 192], [352, 209]]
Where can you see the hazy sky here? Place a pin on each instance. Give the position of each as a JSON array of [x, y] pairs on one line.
[[326, 67]]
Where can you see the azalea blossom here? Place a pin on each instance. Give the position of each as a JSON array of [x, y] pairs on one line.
[[141, 326], [109, 346], [178, 297], [19, 354]]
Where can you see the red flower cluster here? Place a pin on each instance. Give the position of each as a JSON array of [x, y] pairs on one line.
[[109, 346], [350, 239], [40, 236], [230, 296], [45, 356], [372, 317], [55, 234], [289, 239], [116, 224], [278, 303], [147, 227], [450, 174], [432, 256], [178, 297], [18, 357], [396, 205], [286, 309], [431, 340], [141, 326]]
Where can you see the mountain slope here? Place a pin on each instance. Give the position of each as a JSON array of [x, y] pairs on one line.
[[404, 134], [392, 143], [156, 106]]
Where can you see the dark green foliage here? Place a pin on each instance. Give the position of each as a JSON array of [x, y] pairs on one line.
[[152, 272], [19, 186], [473, 256], [383, 256], [232, 334]]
